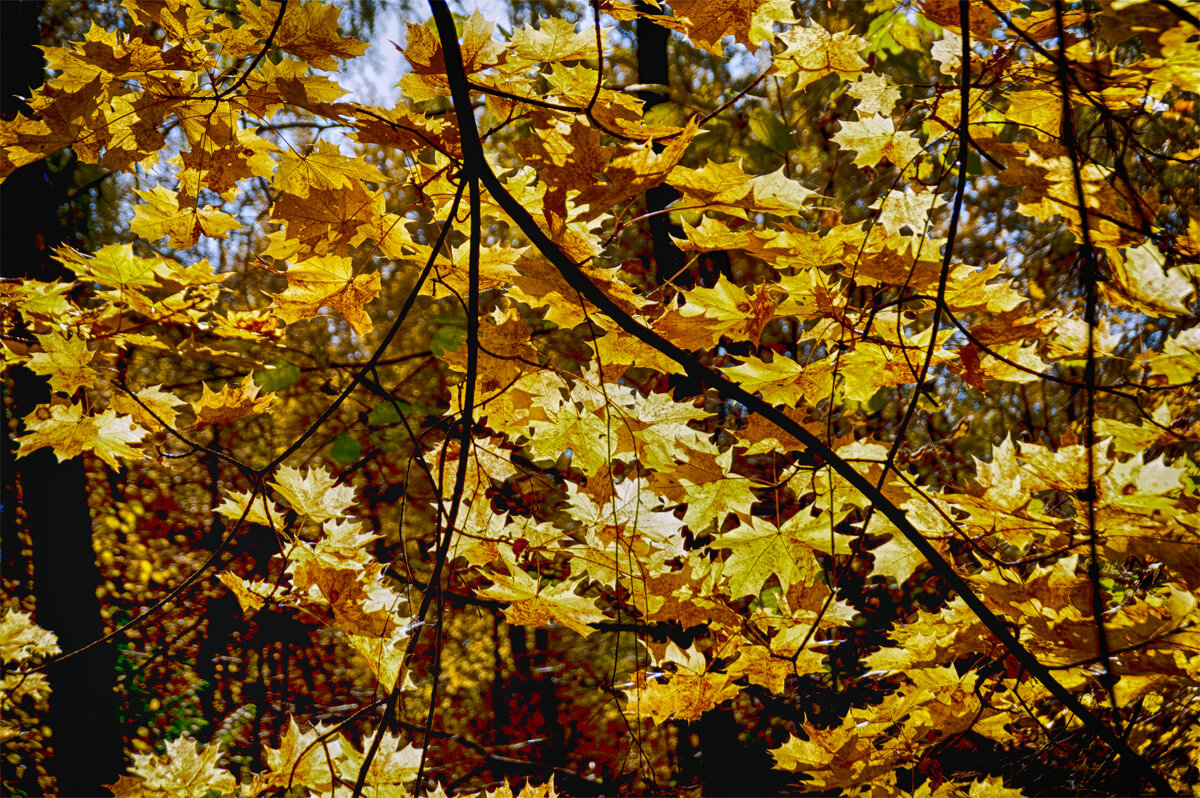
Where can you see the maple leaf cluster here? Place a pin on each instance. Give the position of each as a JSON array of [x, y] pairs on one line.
[[739, 509]]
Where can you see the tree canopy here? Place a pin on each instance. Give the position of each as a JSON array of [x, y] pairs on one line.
[[652, 383]]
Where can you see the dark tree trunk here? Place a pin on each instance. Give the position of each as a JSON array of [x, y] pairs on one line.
[[83, 708], [654, 68]]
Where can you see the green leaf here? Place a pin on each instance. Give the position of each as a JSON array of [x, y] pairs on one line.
[[879, 34], [667, 113], [280, 373], [384, 413], [878, 401], [768, 598], [345, 449], [448, 338], [770, 130]]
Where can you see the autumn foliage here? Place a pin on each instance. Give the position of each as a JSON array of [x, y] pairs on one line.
[[897, 471]]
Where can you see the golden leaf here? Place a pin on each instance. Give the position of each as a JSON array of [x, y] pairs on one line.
[[327, 281], [251, 596], [315, 495], [748, 21], [163, 217], [876, 139], [812, 53], [69, 432], [531, 605], [230, 403], [65, 362], [1140, 280], [309, 30]]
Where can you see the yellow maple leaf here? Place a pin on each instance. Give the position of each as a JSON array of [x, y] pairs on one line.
[[230, 403], [1140, 280], [614, 351], [308, 30], [346, 588], [566, 156], [748, 21], [187, 769], [384, 654], [1007, 485], [897, 558], [1179, 360], [760, 551], [690, 692], [711, 490], [1180, 61], [395, 763], [505, 352], [1036, 108], [64, 361], [43, 299], [784, 381], [114, 265], [61, 115], [812, 53], [871, 366], [844, 755], [637, 170], [736, 313], [251, 596], [424, 52], [660, 427], [157, 403], [323, 168], [947, 51], [566, 426], [315, 495], [532, 605], [219, 167], [21, 639], [1135, 437], [325, 222], [764, 667], [778, 193], [262, 510], [980, 19], [761, 436], [69, 432], [969, 289], [300, 759], [114, 433], [1018, 354], [625, 512], [713, 184], [900, 208], [875, 139], [876, 96], [162, 216], [340, 574], [554, 40], [685, 697], [327, 281]]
